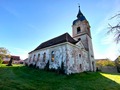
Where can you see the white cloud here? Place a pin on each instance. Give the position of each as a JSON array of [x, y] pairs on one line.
[[23, 56], [98, 55], [111, 52], [112, 49]]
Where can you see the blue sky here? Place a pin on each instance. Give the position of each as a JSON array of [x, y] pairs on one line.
[[24, 24]]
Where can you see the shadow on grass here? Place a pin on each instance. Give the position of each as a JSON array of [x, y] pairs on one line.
[[25, 78], [112, 73]]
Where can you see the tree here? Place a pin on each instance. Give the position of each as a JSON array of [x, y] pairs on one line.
[[105, 62], [62, 68], [115, 29], [10, 62], [1, 61], [47, 66], [3, 53]]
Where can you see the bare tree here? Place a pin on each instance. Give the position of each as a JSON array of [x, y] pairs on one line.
[[115, 29]]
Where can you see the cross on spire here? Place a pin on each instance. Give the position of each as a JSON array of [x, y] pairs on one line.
[[79, 6]]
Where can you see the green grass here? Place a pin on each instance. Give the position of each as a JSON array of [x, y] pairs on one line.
[[18, 77]]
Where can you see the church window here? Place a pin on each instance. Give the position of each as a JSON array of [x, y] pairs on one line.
[[78, 30], [80, 55], [52, 56], [38, 57], [79, 39], [34, 58], [92, 56], [80, 66], [88, 28], [44, 57]]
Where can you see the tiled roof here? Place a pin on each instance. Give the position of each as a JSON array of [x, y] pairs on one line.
[[15, 57], [57, 40]]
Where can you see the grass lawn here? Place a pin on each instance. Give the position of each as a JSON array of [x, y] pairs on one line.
[[18, 77]]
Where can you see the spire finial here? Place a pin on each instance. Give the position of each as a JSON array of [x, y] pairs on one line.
[[79, 6]]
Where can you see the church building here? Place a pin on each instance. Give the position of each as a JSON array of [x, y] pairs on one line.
[[73, 53]]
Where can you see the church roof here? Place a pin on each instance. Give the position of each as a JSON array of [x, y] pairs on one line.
[[57, 40], [80, 16]]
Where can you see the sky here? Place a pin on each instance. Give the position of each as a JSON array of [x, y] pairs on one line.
[[24, 24]]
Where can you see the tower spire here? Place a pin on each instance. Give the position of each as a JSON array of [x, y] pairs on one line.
[[80, 16], [79, 12], [79, 6]]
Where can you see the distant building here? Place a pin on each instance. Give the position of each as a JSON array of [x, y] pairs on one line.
[[6, 59], [75, 52]]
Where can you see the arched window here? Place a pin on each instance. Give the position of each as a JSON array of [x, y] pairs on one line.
[[38, 58], [78, 30], [80, 66], [52, 56], [44, 57], [80, 55], [34, 58]]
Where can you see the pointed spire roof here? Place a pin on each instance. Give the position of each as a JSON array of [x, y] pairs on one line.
[[80, 16], [79, 13]]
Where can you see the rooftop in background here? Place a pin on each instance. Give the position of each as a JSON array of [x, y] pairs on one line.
[[15, 57]]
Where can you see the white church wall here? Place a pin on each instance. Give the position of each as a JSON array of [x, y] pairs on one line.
[[76, 59], [59, 56], [91, 55]]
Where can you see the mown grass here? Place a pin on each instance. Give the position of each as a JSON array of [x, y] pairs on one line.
[[18, 77]]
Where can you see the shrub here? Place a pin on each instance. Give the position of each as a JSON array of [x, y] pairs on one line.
[[62, 70], [47, 66]]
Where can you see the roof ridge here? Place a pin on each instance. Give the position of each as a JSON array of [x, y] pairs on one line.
[[57, 40], [56, 37]]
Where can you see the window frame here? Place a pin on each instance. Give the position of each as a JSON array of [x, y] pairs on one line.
[[78, 30], [52, 56], [34, 57], [38, 58], [44, 57]]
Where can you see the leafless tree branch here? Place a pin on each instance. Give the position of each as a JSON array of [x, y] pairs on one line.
[[117, 15], [115, 29]]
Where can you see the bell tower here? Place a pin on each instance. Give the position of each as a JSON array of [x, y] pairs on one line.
[[81, 32]]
